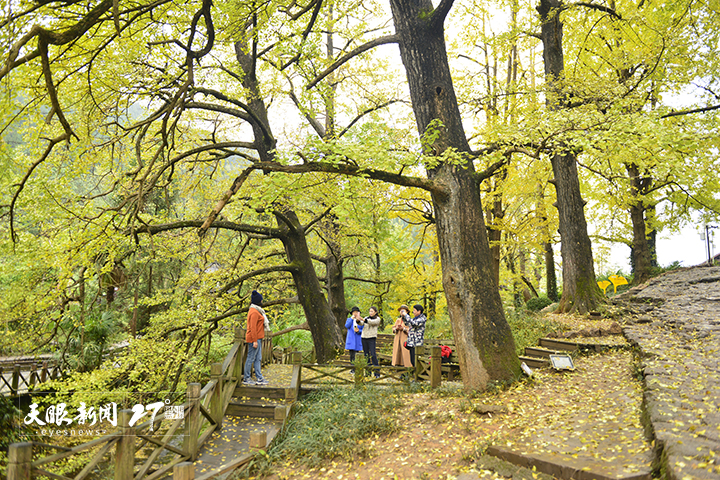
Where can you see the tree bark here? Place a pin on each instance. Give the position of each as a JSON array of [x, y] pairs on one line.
[[641, 255], [485, 344], [334, 275], [580, 291], [323, 326]]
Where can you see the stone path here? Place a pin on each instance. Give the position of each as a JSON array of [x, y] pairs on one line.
[[676, 326]]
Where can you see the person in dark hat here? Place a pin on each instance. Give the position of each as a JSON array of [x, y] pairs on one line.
[[256, 323]]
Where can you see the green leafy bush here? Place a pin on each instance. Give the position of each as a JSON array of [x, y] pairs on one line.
[[332, 423], [536, 304], [528, 328]]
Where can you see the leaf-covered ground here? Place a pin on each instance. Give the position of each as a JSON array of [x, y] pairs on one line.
[[590, 415]]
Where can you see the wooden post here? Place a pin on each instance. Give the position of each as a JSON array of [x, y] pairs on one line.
[[33, 376], [184, 471], [239, 366], [125, 447], [280, 412], [192, 421], [435, 366], [216, 401], [418, 367], [296, 380], [286, 355], [258, 439], [15, 383], [20, 461], [44, 371]]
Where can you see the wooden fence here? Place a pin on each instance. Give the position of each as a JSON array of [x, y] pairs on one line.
[[25, 376], [425, 369], [202, 414], [19, 375]]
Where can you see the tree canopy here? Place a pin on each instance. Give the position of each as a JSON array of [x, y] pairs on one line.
[[161, 159]]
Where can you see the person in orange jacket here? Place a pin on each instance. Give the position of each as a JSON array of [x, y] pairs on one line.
[[256, 322]]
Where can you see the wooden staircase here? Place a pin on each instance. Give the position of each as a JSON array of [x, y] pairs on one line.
[[539, 357], [258, 402]]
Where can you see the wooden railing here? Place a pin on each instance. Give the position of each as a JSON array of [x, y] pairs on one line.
[[425, 369], [203, 412], [25, 376], [27, 373]]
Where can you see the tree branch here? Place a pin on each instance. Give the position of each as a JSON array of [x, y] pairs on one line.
[[351, 170], [237, 227], [23, 182], [302, 326], [595, 6], [308, 29], [354, 53], [691, 111], [256, 273], [224, 200], [365, 112], [440, 13]]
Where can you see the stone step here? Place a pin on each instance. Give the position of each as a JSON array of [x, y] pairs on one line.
[[536, 362], [539, 352]]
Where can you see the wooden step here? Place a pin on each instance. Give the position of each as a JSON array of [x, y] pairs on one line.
[[539, 352], [554, 343], [259, 392], [252, 408], [535, 362]]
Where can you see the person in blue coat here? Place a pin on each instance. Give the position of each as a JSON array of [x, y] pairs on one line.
[[353, 341]]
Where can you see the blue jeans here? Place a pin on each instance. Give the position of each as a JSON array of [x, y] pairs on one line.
[[254, 357]]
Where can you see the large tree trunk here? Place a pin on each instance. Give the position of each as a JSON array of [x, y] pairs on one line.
[[323, 326], [494, 217], [641, 255], [580, 291], [485, 344], [334, 275], [550, 278]]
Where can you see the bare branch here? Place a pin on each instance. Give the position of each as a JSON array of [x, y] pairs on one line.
[[354, 53], [596, 6], [302, 326], [367, 280], [29, 172], [691, 111], [308, 29], [255, 273], [238, 227]]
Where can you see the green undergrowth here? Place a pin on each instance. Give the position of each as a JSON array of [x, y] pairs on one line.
[[332, 423], [528, 328]]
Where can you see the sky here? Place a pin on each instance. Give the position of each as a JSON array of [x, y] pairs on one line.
[[686, 247]]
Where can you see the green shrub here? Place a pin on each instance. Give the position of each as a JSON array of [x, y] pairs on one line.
[[12, 428], [536, 304], [332, 423], [528, 328]]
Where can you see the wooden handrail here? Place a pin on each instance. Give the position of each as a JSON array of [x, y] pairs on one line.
[[197, 410]]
